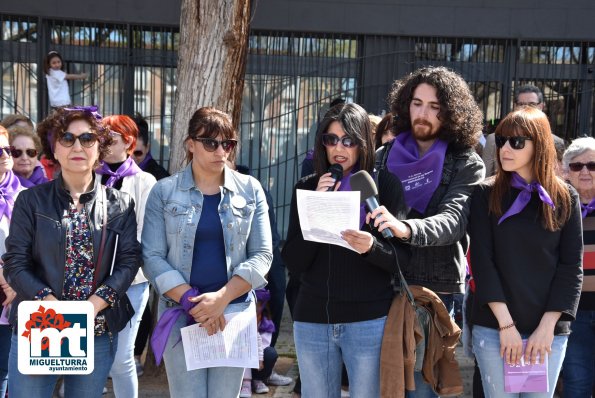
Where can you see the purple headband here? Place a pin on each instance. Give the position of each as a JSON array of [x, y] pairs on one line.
[[91, 109]]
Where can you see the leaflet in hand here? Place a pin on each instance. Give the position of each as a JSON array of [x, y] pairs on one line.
[[526, 377], [323, 215]]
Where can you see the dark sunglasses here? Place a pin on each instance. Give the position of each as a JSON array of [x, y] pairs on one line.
[[332, 140], [17, 153], [515, 142], [68, 139], [138, 153], [211, 144], [8, 150], [578, 166]]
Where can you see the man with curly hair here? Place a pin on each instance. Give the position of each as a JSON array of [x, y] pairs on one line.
[[434, 169]]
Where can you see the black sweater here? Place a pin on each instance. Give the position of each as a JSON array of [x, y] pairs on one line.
[[338, 285], [522, 264]]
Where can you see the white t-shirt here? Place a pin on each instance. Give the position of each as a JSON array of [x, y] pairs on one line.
[[58, 88]]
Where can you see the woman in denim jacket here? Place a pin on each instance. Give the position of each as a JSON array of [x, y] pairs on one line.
[[206, 244]]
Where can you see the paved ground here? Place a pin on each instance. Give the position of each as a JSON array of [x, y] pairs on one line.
[[154, 386]]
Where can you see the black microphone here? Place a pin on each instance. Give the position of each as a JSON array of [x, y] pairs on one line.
[[362, 181], [336, 171]]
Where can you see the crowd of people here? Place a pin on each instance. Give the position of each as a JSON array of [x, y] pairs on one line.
[[87, 214]]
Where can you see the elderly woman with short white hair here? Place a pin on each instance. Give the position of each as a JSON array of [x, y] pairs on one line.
[[578, 369]]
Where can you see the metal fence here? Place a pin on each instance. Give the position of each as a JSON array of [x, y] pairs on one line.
[[290, 80]]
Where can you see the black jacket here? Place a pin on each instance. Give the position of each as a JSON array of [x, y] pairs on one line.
[[338, 285], [35, 248]]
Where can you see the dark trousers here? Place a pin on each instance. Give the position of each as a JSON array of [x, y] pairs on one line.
[[270, 358]]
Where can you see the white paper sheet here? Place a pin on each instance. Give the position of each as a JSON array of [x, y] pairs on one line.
[[323, 215], [236, 346]]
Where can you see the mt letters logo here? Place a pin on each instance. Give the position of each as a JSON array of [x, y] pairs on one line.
[[56, 337]]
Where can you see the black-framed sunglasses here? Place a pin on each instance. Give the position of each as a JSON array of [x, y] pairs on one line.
[[331, 140], [578, 166], [8, 150], [516, 142], [17, 153], [211, 144], [138, 153], [87, 139]]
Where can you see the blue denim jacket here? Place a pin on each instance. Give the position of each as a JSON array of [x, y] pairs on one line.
[[172, 213]]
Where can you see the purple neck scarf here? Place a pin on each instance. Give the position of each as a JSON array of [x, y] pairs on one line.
[[8, 188], [587, 209], [419, 176], [128, 168], [37, 177], [346, 186], [525, 196], [143, 165], [168, 320]]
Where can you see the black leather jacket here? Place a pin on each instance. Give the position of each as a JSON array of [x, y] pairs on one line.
[[35, 248]]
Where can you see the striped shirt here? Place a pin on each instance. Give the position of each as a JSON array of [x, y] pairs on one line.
[[588, 293]]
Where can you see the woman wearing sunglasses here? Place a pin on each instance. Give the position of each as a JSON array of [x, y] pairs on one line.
[[60, 250], [345, 295], [206, 245], [9, 190], [26, 146], [118, 170], [579, 365], [526, 239]]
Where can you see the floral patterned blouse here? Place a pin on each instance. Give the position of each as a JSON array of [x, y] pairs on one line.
[[79, 269]]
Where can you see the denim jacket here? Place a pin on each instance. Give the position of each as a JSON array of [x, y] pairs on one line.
[[171, 217], [435, 254]]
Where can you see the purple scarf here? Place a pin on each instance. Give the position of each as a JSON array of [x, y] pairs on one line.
[[128, 168], [37, 177], [265, 325], [8, 188], [168, 320], [143, 165], [587, 209], [346, 186], [525, 196], [419, 177]]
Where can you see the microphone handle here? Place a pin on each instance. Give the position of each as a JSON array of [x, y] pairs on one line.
[[372, 204]]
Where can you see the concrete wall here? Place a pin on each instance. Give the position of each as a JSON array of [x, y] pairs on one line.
[[526, 19]]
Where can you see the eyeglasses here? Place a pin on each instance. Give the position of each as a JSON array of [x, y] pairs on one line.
[[87, 139], [578, 166], [7, 150], [531, 104], [331, 140], [17, 153], [516, 142], [138, 153], [211, 144]]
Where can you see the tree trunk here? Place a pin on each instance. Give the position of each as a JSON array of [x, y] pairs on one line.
[[211, 64]]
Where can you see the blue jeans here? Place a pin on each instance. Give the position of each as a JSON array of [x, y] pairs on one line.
[[486, 347], [123, 370], [5, 337], [323, 348], [88, 386], [579, 365], [220, 382]]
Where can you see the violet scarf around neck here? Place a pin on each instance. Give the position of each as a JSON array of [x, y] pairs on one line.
[[524, 197], [143, 165], [128, 168], [168, 320], [419, 176], [346, 186], [587, 209], [9, 187], [37, 177]]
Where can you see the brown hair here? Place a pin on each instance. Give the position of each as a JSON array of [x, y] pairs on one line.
[[11, 120], [48, 58], [533, 123], [209, 122], [57, 123]]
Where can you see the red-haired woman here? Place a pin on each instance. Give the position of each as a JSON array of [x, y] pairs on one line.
[[526, 233], [118, 170]]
